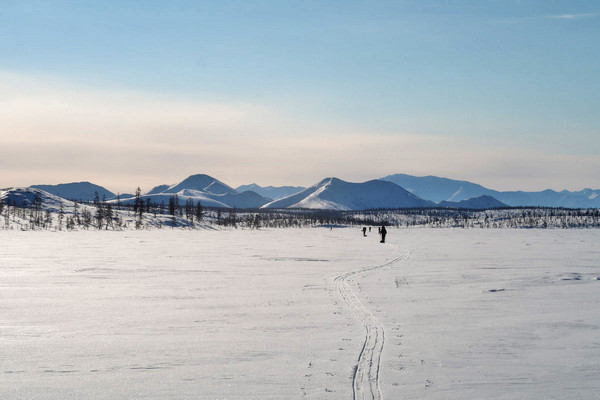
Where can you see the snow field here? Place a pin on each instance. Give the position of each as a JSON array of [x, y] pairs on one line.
[[501, 314], [240, 314], [172, 314]]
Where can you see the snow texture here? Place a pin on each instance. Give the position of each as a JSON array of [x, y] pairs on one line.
[[287, 313]]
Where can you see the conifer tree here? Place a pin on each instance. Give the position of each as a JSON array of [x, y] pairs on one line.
[[76, 216], [61, 216], [48, 219], [137, 201], [199, 211], [108, 215]]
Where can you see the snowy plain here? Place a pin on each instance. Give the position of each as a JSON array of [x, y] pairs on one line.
[[269, 314]]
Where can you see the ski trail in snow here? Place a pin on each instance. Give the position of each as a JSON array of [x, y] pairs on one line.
[[365, 381]]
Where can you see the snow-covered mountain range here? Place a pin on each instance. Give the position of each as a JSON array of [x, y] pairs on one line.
[[336, 194], [209, 191], [443, 189], [393, 191]]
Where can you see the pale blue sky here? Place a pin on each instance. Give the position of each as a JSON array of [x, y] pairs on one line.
[[500, 91]]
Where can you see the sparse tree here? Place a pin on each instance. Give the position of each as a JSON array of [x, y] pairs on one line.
[[173, 204], [76, 216], [86, 218], [99, 216], [137, 201], [48, 219], [199, 211], [189, 209], [61, 217], [232, 217], [108, 215]]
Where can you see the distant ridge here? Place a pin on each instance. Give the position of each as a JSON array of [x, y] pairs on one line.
[[271, 192], [438, 189], [336, 194], [475, 203], [210, 192], [443, 189], [158, 189], [78, 191]]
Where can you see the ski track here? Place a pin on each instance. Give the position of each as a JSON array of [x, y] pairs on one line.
[[365, 382]]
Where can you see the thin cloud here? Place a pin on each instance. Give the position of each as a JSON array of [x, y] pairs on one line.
[[530, 19], [574, 16], [118, 139]]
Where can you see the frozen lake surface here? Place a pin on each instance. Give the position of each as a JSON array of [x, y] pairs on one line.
[[285, 313]]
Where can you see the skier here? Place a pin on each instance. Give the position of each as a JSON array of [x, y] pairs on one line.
[[364, 229], [383, 232]]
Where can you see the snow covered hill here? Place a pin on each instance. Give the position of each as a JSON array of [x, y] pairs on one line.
[[271, 192], [202, 183], [77, 191], [443, 189], [209, 191], [475, 203], [28, 197], [158, 189], [33, 209], [333, 193], [438, 189], [336, 194]]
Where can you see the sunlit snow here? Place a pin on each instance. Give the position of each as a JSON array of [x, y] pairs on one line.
[[261, 314]]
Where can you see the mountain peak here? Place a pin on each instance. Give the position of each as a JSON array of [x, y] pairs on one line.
[[334, 193], [82, 191], [201, 182]]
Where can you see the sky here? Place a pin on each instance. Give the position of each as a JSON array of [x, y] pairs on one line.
[[140, 93]]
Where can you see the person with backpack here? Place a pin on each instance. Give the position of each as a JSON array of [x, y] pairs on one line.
[[382, 232]]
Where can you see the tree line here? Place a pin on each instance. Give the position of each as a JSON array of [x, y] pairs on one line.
[[140, 213]]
